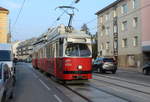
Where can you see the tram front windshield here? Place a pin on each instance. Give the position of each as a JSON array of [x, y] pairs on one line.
[[78, 50]]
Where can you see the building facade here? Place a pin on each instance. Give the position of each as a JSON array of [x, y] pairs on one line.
[[4, 26], [121, 31], [15, 44], [24, 49]]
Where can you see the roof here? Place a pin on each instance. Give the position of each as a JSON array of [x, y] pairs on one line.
[[109, 6], [3, 9]]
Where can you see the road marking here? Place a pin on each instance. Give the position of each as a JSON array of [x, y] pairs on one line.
[[44, 85], [59, 100]]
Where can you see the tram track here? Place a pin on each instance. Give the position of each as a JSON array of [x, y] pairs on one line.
[[141, 84], [77, 93], [111, 93], [125, 87], [89, 85], [84, 96], [65, 86], [100, 89]]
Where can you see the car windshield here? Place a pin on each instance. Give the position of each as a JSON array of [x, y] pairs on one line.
[[80, 50], [108, 60], [5, 55]]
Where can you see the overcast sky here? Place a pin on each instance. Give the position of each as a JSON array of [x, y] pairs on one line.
[[38, 15]]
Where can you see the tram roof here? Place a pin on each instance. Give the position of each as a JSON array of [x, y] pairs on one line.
[[60, 32]]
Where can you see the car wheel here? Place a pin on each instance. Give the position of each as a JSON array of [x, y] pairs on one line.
[[11, 95], [145, 72], [114, 71], [101, 70], [3, 98]]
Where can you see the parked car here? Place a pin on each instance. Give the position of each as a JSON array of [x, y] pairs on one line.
[[6, 56], [102, 65], [6, 83], [146, 69]]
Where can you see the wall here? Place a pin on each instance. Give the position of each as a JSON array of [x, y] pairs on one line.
[[145, 14], [3, 26]]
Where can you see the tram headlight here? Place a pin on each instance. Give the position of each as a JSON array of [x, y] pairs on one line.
[[80, 67]]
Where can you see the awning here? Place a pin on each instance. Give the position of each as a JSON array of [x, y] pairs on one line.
[[146, 48]]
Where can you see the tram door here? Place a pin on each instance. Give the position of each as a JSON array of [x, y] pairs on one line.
[[59, 59]]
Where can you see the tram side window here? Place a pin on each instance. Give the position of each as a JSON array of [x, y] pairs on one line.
[[36, 55], [40, 54], [44, 52], [52, 50], [61, 50], [48, 51], [57, 49]]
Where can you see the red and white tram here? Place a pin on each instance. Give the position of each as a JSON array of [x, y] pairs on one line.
[[65, 55]]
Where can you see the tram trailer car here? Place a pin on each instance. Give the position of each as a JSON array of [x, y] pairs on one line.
[[66, 56]]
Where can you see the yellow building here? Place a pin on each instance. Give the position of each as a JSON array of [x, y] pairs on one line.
[[4, 36]]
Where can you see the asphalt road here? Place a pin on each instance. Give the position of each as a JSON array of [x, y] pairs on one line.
[[32, 88], [124, 86], [130, 75]]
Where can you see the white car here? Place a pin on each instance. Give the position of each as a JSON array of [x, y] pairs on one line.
[[6, 83], [6, 56]]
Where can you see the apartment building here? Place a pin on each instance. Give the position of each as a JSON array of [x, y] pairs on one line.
[[123, 32], [4, 36], [25, 49]]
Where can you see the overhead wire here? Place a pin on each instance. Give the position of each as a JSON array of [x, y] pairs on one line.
[[16, 20], [17, 17]]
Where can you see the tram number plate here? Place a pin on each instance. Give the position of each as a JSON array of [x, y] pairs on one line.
[[79, 77]]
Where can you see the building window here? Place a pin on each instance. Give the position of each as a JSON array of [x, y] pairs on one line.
[[124, 8], [115, 44], [107, 30], [101, 46], [107, 16], [134, 3], [115, 13], [135, 22], [101, 19], [107, 46], [115, 29], [135, 41], [124, 43], [124, 26]]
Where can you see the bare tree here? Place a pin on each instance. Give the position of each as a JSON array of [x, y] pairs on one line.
[[85, 28]]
